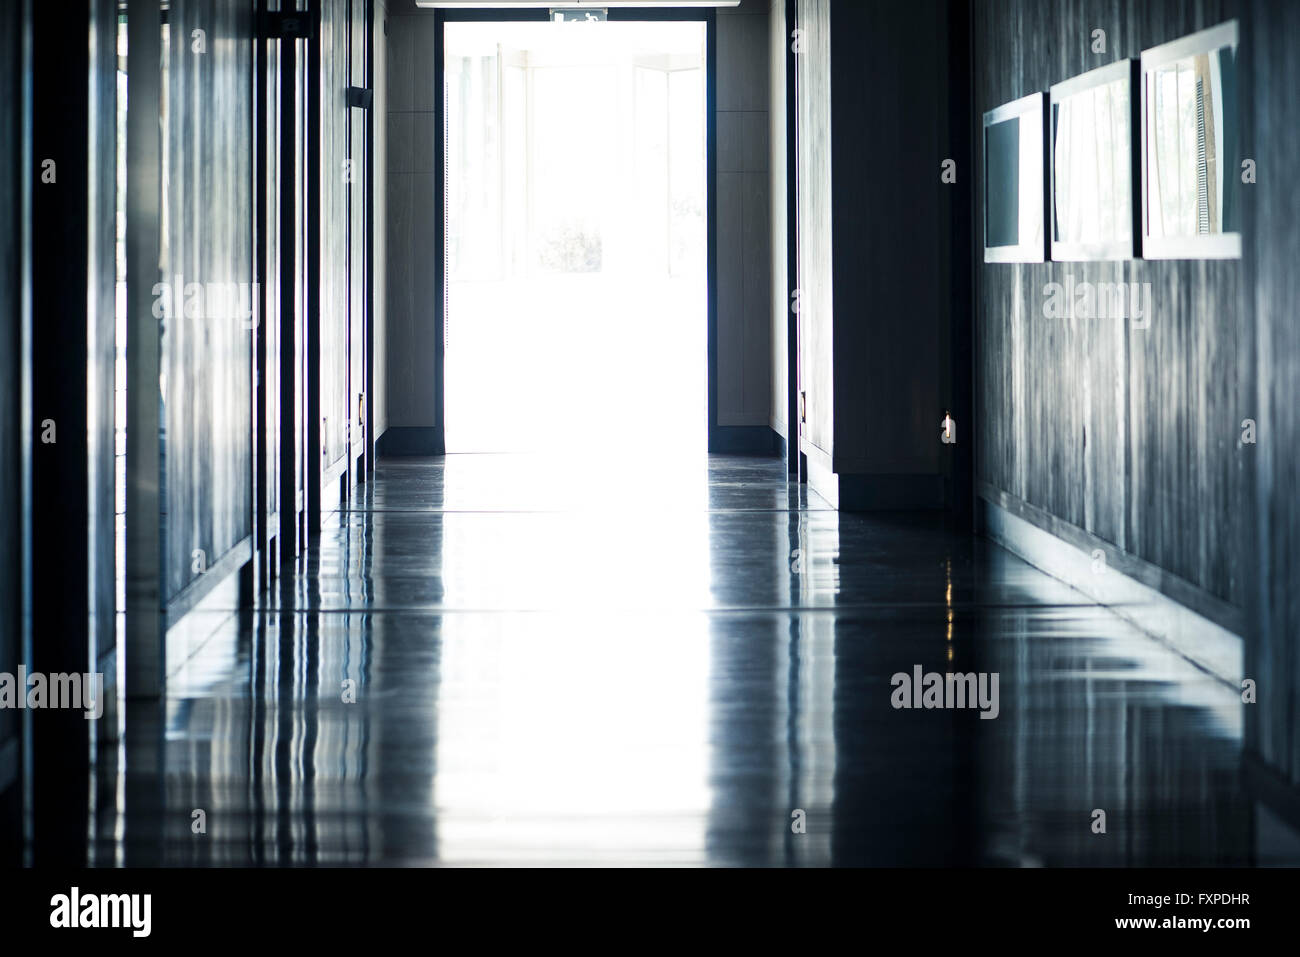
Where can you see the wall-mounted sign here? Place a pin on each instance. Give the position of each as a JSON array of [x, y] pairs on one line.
[[1015, 182], [578, 15], [1095, 169], [1191, 154]]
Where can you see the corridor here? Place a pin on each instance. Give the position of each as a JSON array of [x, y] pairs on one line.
[[504, 660], [709, 440]]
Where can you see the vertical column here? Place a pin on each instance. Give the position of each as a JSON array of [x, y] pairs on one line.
[[291, 465], [262, 131], [368, 422], [145, 651], [15, 187], [72, 348], [315, 439]]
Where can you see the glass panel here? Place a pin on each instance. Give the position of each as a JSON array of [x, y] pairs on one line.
[[1092, 166], [1002, 200], [1192, 142], [1013, 182]]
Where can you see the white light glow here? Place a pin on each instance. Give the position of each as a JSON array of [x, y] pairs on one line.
[[576, 237]]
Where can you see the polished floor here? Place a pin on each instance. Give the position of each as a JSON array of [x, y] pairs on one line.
[[494, 659]]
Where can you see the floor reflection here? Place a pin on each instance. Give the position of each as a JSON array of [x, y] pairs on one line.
[[690, 667]]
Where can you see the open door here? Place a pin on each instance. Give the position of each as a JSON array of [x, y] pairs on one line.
[[576, 237]]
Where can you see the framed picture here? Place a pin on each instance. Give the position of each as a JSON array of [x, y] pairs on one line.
[[1095, 171], [1190, 148], [1015, 181]]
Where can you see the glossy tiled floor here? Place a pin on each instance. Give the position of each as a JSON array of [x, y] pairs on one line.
[[669, 663]]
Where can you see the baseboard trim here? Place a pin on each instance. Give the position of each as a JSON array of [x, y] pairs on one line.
[[187, 637], [822, 480], [889, 493], [1171, 586], [744, 440], [1204, 642], [399, 441], [193, 594]]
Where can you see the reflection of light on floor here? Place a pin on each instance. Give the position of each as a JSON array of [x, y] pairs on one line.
[[1063, 613], [818, 580], [808, 714], [947, 600], [572, 721], [576, 481], [573, 738], [560, 555]]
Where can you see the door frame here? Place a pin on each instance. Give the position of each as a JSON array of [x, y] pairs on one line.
[[307, 485], [796, 461], [707, 16]]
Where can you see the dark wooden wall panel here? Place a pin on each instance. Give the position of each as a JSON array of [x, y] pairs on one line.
[[878, 233], [71, 364], [1134, 434], [207, 234], [892, 240], [1130, 434], [1271, 256]]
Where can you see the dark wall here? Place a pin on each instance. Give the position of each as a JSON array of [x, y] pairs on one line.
[[892, 248], [780, 166], [1129, 434], [743, 224], [1271, 276], [876, 246], [11, 517], [379, 223], [71, 385], [73, 119], [409, 370], [1130, 439]]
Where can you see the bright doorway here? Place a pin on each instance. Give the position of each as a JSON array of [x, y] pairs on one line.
[[577, 237]]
